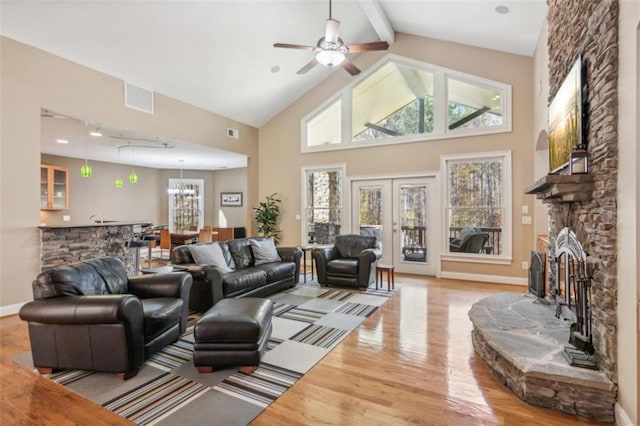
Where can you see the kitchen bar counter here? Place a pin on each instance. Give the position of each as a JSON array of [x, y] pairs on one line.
[[142, 223], [63, 244]]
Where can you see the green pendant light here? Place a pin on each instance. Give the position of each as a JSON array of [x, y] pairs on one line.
[[85, 170], [133, 177]]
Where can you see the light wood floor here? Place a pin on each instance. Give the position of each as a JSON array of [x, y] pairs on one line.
[[412, 362]]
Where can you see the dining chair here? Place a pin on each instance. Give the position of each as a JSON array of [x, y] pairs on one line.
[[165, 243], [204, 235]]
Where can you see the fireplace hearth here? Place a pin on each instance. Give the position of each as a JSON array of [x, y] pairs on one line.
[[522, 342]]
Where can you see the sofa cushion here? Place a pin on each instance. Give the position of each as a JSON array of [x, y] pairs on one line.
[[241, 252], [243, 280], [91, 277], [264, 251], [350, 246], [209, 254], [342, 267], [227, 254], [277, 271], [160, 314]]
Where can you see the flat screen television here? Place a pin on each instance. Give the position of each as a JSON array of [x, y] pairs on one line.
[[567, 117]]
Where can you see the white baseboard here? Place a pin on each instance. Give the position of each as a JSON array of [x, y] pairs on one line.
[[10, 309], [496, 279], [622, 419]]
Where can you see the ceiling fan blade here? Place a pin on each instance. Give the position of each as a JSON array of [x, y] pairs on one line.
[[332, 31], [374, 45], [307, 67], [351, 69], [293, 46]]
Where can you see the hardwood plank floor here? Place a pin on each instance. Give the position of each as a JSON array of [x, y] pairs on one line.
[[412, 362]]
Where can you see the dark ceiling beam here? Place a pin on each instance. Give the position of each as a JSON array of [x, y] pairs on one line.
[[382, 129], [468, 118]]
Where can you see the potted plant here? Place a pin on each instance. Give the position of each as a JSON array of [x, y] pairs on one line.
[[267, 214]]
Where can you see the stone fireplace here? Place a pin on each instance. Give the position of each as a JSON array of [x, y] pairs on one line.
[[585, 204]]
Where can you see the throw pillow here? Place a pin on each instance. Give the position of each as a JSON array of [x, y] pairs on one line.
[[264, 251], [209, 254]]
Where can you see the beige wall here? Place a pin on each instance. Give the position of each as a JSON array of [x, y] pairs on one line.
[[234, 180], [32, 79], [541, 126], [98, 194], [628, 209], [282, 161]]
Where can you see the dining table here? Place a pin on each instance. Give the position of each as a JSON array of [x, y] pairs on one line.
[[183, 237]]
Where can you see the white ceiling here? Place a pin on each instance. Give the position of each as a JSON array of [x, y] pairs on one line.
[[218, 54], [126, 147]]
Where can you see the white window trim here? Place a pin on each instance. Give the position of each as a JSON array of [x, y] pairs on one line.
[[506, 258], [440, 131], [200, 183], [303, 176], [303, 123]]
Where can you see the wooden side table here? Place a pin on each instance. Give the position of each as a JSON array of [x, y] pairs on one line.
[[391, 279], [306, 249]]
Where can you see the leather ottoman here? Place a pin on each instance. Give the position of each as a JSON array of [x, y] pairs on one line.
[[233, 332]]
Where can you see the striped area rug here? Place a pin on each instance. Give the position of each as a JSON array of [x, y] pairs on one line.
[[308, 322]]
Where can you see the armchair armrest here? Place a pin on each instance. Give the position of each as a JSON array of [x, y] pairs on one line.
[[171, 284], [366, 268], [104, 309], [369, 256], [322, 255]]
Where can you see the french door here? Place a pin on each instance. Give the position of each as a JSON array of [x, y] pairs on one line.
[[401, 214]]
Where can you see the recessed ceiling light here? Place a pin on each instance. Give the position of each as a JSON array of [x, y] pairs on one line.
[[95, 133], [62, 141], [502, 9]]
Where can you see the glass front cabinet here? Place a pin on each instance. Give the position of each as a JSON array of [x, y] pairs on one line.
[[54, 187]]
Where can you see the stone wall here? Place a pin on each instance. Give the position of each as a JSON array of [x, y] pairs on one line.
[[68, 245], [590, 28]]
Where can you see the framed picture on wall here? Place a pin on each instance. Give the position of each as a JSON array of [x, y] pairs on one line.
[[231, 199]]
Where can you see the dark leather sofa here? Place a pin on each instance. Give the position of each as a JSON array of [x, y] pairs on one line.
[[246, 279], [91, 316], [350, 262]]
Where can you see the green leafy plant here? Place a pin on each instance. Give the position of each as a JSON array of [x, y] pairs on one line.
[[267, 214]]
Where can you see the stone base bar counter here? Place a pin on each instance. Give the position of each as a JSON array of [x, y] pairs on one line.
[[521, 340], [63, 244]]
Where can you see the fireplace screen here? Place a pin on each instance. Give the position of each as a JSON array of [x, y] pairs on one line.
[[574, 290], [537, 273]]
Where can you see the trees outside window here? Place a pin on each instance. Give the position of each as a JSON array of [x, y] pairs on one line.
[[401, 100], [478, 200]]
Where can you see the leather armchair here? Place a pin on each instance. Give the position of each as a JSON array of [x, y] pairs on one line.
[[91, 316], [350, 262], [473, 242]]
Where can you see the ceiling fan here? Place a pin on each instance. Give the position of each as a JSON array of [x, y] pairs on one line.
[[331, 50]]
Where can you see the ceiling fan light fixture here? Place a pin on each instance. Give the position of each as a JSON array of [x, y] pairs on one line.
[[330, 58]]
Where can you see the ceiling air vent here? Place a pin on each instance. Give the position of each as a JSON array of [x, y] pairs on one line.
[[138, 98]]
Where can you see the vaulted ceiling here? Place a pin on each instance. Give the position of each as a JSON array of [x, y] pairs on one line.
[[219, 55]]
